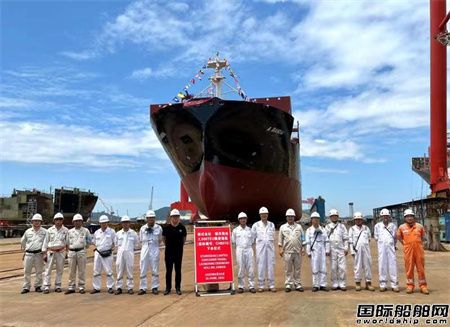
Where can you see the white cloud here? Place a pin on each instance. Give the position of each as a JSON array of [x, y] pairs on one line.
[[55, 115], [9, 102], [34, 142], [323, 170], [166, 71], [362, 65], [142, 73], [335, 149], [178, 6], [81, 55]]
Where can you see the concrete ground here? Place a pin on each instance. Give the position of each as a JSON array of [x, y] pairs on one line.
[[261, 309]]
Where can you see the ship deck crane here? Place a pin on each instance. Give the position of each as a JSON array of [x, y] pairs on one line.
[[109, 209]]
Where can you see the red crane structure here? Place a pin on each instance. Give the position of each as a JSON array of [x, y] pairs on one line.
[[439, 38]]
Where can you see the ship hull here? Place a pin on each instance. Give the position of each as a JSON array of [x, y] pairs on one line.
[[232, 156]]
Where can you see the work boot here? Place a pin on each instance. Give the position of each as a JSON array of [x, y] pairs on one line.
[[395, 289], [240, 290], [82, 291], [369, 287], [118, 291], [70, 292], [409, 290], [154, 291], [252, 290], [25, 291], [424, 290], [46, 291], [38, 289], [94, 291], [130, 291], [141, 292], [382, 289], [111, 291], [358, 286]]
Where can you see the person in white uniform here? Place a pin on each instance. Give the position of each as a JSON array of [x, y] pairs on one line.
[[127, 241], [338, 237], [79, 240], [264, 232], [385, 233], [290, 242], [243, 238], [317, 248], [54, 249], [31, 243], [104, 241], [359, 237], [150, 235]]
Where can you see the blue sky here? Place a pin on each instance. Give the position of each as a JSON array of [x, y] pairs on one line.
[[77, 78]]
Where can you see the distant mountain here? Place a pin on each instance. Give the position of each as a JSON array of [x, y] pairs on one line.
[[162, 213], [96, 215]]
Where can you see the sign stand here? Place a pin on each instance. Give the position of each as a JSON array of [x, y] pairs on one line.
[[213, 257]]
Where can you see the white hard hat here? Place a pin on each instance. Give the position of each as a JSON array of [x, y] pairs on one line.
[[77, 217], [290, 212], [242, 215], [384, 212], [408, 212], [315, 215], [103, 219], [333, 212], [37, 216], [358, 215], [263, 210], [58, 215], [174, 212], [150, 213], [124, 219]]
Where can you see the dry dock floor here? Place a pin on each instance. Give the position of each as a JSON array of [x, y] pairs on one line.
[[335, 308]]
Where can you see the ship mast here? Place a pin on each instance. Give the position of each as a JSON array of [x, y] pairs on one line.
[[217, 79]]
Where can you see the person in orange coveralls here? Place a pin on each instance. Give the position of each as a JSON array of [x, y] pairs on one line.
[[411, 235]]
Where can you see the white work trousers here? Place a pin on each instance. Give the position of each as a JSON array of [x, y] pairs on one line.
[[102, 264], [149, 260], [54, 259], [244, 258], [387, 264], [124, 264], [292, 267], [363, 263], [318, 266], [338, 264], [29, 261], [265, 259], [77, 262]]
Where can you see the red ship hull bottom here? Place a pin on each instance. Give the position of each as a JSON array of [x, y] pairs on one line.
[[221, 192]]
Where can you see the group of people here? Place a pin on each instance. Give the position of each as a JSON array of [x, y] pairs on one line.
[[333, 241], [50, 247]]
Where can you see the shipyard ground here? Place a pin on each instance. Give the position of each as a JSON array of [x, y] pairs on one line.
[[335, 308]]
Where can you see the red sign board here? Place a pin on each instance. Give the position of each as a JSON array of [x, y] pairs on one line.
[[213, 258]]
